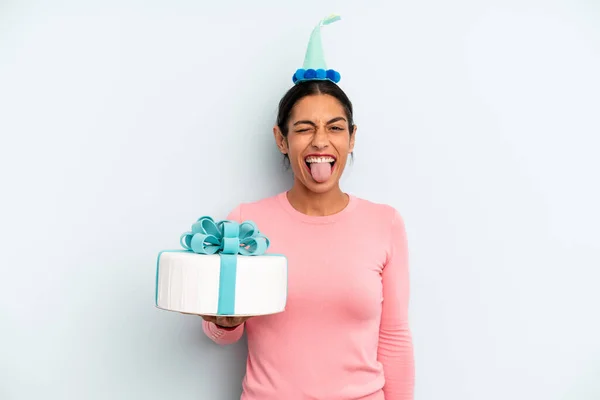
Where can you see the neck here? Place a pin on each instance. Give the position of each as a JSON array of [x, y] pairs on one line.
[[317, 204]]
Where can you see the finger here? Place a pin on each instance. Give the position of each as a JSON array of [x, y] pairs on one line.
[[227, 322], [224, 321]]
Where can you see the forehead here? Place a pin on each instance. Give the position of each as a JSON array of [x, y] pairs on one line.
[[315, 107]]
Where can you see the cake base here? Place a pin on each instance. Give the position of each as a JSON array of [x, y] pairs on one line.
[[193, 283]]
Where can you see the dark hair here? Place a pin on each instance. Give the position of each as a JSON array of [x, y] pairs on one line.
[[310, 88]]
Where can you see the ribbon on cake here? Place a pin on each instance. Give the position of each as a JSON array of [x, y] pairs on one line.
[[228, 239]]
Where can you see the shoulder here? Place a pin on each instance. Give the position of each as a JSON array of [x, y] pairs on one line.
[[381, 212], [387, 224], [254, 209], [258, 207], [384, 222]]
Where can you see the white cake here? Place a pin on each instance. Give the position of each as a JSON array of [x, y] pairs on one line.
[[192, 283]]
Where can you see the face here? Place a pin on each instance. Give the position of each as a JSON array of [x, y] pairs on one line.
[[318, 142]]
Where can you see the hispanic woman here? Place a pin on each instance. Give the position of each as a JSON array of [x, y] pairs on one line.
[[345, 331]]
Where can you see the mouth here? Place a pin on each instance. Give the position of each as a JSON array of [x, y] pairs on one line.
[[320, 158]]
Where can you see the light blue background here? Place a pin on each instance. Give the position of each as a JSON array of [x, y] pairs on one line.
[[123, 121]]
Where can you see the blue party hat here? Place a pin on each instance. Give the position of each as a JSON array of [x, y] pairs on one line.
[[314, 67]]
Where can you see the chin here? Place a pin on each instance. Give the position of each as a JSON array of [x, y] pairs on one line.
[[321, 188]]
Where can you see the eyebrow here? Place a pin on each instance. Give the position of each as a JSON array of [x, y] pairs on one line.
[[331, 121]]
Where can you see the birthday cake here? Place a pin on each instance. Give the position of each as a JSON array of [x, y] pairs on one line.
[[222, 270]]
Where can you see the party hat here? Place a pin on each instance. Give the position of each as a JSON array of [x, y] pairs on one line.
[[314, 67]]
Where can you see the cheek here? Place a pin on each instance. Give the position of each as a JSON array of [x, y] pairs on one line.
[[342, 145], [296, 147]]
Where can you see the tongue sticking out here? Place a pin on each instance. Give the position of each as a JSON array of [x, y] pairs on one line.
[[320, 171]]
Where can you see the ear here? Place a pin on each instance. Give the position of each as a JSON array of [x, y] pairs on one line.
[[352, 138], [280, 140]]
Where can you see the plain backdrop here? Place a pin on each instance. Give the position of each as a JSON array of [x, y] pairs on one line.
[[122, 122]]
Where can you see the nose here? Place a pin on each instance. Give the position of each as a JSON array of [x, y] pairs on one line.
[[320, 139]]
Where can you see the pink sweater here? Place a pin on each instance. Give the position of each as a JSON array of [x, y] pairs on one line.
[[345, 333]]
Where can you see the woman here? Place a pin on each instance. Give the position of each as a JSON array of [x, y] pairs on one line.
[[344, 333]]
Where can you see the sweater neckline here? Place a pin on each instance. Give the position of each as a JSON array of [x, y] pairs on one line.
[[315, 219]]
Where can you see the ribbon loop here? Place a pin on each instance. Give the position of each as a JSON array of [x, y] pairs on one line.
[[231, 245], [230, 228], [227, 237]]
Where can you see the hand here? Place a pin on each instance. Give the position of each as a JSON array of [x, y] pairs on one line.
[[225, 322]]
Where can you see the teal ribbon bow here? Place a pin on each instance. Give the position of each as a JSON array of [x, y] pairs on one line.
[[228, 239]]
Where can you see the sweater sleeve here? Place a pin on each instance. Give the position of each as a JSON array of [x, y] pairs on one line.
[[216, 334], [395, 351]]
